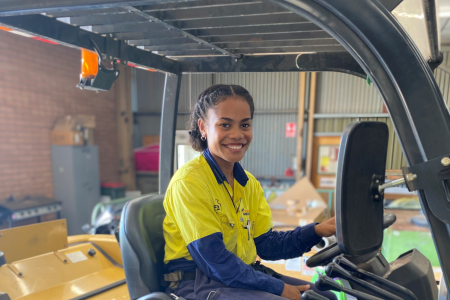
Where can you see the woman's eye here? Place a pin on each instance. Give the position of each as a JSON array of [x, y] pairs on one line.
[[224, 125], [246, 125]]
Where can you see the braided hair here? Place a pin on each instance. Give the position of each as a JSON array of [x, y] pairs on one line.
[[209, 98]]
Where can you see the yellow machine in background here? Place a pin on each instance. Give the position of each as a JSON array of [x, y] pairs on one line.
[[42, 262]]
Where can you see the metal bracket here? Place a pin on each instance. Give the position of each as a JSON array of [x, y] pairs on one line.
[[377, 181], [61, 257], [378, 186], [433, 178], [15, 270], [123, 53]]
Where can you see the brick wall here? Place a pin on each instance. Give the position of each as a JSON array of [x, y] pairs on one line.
[[37, 85]]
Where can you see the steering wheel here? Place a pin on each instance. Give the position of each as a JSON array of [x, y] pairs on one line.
[[326, 255]]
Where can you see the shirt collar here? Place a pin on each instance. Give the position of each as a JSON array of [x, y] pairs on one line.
[[238, 172]]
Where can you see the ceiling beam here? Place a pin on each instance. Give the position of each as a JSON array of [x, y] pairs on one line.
[[223, 64], [25, 7], [148, 35], [336, 47], [272, 19], [194, 4], [268, 37], [172, 28], [163, 41], [72, 36], [238, 9], [285, 28], [264, 44]]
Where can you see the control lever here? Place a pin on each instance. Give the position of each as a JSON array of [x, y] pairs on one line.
[[334, 270], [325, 283], [310, 295], [349, 266]]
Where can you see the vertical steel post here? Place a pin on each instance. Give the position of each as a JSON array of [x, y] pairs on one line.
[[168, 126]]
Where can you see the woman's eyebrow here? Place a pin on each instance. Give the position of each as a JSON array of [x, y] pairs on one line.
[[226, 119], [231, 120]]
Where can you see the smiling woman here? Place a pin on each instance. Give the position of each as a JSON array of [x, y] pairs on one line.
[[217, 217], [222, 122]]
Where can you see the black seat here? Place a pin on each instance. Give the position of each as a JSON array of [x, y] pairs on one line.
[[142, 247]]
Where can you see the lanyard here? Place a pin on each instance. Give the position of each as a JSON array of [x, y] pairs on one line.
[[248, 227], [231, 198]]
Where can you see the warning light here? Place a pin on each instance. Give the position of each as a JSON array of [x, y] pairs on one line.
[[94, 75], [89, 64]]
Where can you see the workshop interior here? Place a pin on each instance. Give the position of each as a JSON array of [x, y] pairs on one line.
[[350, 121]]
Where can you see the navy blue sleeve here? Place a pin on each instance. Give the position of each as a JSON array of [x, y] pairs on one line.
[[218, 263], [275, 245]]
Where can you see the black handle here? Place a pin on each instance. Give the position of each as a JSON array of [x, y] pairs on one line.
[[388, 220], [343, 262], [310, 295], [334, 270], [325, 283]]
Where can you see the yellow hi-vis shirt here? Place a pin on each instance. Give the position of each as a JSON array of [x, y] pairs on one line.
[[198, 206]]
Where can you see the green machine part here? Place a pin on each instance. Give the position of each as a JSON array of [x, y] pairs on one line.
[[339, 295]]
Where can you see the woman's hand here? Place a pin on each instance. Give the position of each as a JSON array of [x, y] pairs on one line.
[[327, 228], [292, 292]]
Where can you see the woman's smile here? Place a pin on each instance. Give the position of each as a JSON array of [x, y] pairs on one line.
[[234, 147]]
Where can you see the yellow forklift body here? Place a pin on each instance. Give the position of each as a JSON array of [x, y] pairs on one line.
[[43, 263]]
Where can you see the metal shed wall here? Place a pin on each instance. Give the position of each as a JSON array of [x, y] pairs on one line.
[[276, 103], [339, 93]]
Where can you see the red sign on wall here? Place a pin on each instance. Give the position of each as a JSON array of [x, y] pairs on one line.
[[291, 130]]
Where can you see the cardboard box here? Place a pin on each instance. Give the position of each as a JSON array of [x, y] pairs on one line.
[[73, 130], [67, 138], [298, 206], [150, 139], [76, 122]]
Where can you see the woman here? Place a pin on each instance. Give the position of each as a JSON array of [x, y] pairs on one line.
[[217, 217]]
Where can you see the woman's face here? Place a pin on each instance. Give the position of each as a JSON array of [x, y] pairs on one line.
[[228, 129]]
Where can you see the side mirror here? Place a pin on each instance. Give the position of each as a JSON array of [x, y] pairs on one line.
[[359, 203]]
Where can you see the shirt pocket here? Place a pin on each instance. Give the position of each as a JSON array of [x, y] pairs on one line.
[[229, 231]]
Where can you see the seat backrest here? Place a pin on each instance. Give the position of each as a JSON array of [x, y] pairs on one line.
[[142, 244]]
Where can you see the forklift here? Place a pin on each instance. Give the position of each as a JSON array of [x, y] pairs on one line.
[[365, 38]]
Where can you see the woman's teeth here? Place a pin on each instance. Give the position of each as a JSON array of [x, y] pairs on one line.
[[235, 147]]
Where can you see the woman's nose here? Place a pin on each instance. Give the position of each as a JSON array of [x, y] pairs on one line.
[[236, 134]]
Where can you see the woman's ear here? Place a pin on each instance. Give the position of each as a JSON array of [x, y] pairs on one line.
[[202, 126]]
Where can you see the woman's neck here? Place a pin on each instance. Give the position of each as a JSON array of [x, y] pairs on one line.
[[226, 167]]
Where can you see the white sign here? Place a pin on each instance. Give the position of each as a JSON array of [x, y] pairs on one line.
[[307, 271], [294, 264], [276, 262], [76, 256], [327, 182]]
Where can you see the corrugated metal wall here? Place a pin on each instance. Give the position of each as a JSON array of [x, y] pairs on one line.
[[342, 93], [150, 92], [339, 93], [276, 101], [191, 86]]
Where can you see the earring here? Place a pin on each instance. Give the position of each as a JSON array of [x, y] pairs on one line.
[[203, 138]]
